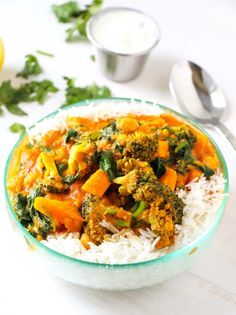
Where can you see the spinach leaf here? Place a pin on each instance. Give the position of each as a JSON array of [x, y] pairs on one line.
[[158, 167], [21, 210], [108, 164], [71, 133], [208, 172]]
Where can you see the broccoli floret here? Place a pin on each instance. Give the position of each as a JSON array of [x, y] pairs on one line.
[[181, 142], [92, 212], [140, 182], [50, 185], [89, 202], [141, 146]]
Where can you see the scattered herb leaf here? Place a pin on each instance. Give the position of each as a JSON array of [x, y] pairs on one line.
[[76, 93], [44, 53], [72, 12], [17, 128], [31, 67], [92, 57], [66, 11], [34, 91]]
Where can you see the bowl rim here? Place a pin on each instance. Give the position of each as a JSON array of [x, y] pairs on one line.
[[101, 47], [162, 259]]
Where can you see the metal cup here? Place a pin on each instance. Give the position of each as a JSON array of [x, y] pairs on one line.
[[119, 66]]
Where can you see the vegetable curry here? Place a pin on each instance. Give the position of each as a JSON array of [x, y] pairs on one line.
[[97, 177]]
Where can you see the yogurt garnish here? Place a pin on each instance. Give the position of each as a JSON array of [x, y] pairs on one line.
[[124, 31]]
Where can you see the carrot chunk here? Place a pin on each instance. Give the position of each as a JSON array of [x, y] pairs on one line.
[[163, 149], [97, 183], [169, 178], [64, 213]]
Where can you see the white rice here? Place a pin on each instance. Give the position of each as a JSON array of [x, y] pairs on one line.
[[97, 110], [201, 197]]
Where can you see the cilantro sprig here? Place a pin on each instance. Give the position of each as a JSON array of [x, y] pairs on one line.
[[34, 91], [31, 67], [17, 128], [77, 93], [71, 12]]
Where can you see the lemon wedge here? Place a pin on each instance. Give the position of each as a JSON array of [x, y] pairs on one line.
[[1, 53]]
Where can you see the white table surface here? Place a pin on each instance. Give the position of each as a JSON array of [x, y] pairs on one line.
[[204, 31]]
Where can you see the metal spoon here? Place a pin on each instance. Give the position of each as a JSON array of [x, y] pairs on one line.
[[198, 95]]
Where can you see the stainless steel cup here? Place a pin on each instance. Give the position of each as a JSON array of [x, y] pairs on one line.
[[118, 66]]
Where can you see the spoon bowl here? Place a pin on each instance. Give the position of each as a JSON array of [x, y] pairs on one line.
[[198, 95]]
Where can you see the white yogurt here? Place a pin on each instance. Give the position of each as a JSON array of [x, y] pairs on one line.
[[125, 31]]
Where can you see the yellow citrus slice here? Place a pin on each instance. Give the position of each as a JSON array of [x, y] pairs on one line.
[[1, 54]]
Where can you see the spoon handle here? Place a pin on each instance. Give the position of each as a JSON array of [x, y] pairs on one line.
[[227, 133]]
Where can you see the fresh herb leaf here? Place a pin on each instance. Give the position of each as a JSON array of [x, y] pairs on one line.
[[17, 128], [34, 91], [71, 12], [76, 93], [107, 164], [158, 167], [31, 67], [44, 53], [78, 30], [71, 133], [15, 109], [66, 11], [92, 57]]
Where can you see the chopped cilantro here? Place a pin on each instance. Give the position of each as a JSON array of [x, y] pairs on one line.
[[92, 58], [66, 11], [31, 67], [71, 12], [17, 128], [76, 93], [34, 91], [44, 53]]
